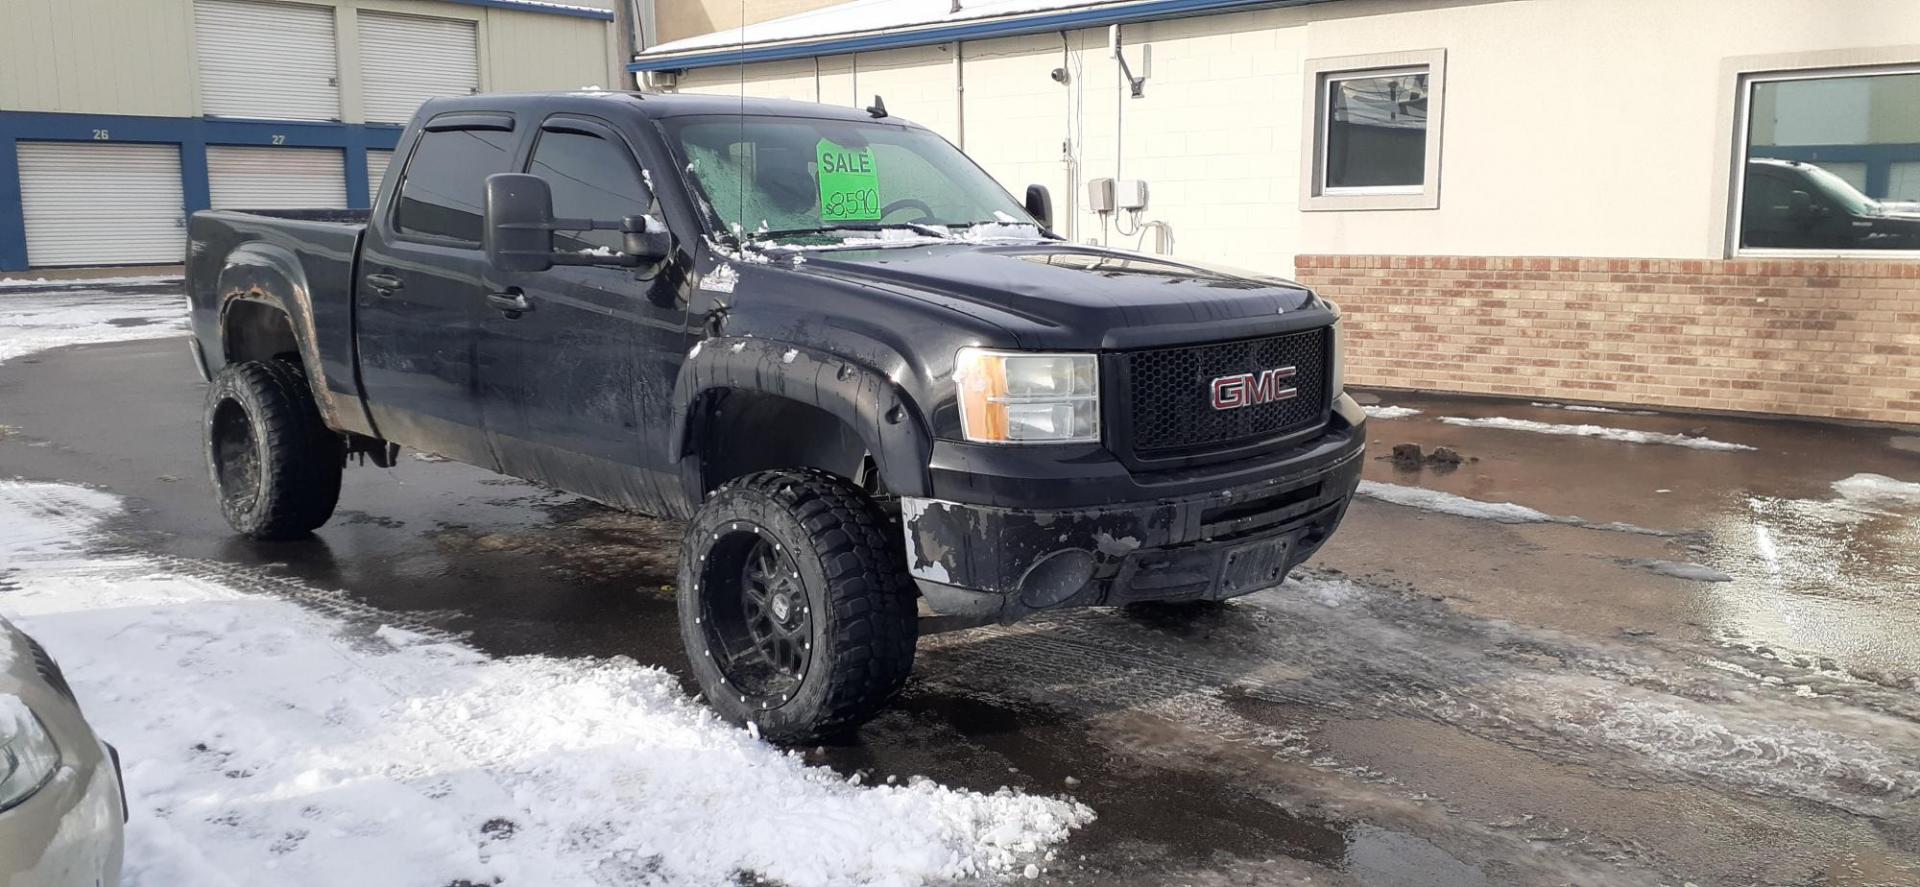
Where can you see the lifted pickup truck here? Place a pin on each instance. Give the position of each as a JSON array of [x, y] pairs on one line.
[[882, 394]]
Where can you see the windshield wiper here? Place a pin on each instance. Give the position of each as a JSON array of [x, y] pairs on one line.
[[916, 227]]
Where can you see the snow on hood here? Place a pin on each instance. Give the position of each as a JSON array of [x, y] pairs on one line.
[[1624, 435], [260, 735]]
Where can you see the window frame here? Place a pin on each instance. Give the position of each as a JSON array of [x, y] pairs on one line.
[[1744, 84], [575, 123], [1320, 76]]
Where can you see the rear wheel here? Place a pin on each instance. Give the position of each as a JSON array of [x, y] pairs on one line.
[[274, 463], [795, 607]]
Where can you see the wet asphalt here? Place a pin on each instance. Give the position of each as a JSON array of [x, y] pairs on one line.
[[1438, 700]]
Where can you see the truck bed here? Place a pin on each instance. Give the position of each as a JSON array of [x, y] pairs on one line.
[[301, 260]]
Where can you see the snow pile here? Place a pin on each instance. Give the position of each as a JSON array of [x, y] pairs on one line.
[[1624, 435], [261, 737], [1388, 412], [1448, 503], [1877, 488], [72, 283], [40, 321]]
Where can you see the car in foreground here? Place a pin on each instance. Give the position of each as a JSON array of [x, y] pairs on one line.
[[62, 810], [871, 381]]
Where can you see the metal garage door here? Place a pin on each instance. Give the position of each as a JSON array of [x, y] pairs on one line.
[[405, 60], [89, 204], [267, 60], [376, 172], [277, 178]]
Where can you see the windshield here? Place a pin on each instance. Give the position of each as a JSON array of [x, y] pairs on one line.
[[1841, 191], [791, 177]]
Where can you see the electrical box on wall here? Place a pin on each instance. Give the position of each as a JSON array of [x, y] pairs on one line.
[[1100, 193], [1130, 194]]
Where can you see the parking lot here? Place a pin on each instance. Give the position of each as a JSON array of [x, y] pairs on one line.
[[1604, 648]]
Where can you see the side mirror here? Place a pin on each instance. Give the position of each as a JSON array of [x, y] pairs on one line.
[[1040, 205], [645, 238], [518, 224]]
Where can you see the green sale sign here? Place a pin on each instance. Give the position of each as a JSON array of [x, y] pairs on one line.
[[849, 184]]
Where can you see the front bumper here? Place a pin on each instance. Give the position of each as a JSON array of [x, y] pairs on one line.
[[978, 563]]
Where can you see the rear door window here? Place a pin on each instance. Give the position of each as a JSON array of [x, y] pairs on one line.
[[445, 182]]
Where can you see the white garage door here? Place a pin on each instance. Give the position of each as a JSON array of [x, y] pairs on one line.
[[405, 60], [274, 61], [376, 171], [1903, 181], [102, 204], [277, 178]]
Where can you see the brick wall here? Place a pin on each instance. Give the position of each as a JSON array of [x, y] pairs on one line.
[[1835, 339]]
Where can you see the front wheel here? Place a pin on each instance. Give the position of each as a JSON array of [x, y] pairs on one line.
[[274, 463], [795, 607]]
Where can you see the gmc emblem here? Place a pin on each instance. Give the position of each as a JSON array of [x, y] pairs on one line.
[[1247, 389]]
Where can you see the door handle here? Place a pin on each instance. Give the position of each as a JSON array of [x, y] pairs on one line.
[[512, 303], [384, 284]]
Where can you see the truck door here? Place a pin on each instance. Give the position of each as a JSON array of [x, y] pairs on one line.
[[423, 286], [577, 363]]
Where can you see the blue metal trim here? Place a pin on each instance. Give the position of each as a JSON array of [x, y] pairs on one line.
[[1064, 20], [193, 135], [541, 8]]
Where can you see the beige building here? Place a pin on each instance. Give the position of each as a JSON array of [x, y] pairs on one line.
[[119, 117], [1697, 204]]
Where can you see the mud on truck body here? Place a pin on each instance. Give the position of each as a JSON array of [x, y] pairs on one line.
[[884, 397]]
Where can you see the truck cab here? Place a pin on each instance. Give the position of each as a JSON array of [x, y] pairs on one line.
[[884, 396]]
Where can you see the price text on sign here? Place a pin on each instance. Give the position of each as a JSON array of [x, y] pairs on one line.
[[849, 184]]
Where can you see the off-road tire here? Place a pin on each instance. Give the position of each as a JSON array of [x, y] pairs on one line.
[[274, 464], [863, 616]]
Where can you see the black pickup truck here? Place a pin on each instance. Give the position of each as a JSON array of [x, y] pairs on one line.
[[882, 394]]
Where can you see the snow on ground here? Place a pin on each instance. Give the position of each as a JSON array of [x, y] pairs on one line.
[[31, 322], [1877, 488], [1577, 408], [1389, 412], [70, 282], [1499, 512], [1624, 435], [1448, 503], [266, 742]]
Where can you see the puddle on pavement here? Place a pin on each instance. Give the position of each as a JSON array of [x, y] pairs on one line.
[[1174, 821]]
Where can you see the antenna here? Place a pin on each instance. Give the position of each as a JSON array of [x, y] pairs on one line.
[[879, 108]]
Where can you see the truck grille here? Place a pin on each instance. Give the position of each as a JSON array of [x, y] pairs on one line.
[[1169, 408]]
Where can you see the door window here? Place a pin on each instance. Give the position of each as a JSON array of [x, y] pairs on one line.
[[591, 178], [445, 182]]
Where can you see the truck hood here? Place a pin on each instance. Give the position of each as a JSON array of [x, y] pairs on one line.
[[1058, 295]]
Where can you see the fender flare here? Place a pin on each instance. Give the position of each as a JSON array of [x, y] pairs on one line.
[[272, 275], [878, 411]]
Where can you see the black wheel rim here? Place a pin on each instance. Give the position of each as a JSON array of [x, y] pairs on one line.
[[236, 454], [755, 616]]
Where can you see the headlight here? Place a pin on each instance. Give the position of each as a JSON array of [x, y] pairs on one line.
[[28, 757], [1022, 397]]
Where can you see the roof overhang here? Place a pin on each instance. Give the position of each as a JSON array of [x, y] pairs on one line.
[[1085, 16], [542, 7]]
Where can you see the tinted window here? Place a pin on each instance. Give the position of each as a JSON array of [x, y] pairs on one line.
[[1376, 131], [591, 178], [446, 180]]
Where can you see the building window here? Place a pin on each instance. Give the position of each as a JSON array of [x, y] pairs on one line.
[[1375, 138], [1830, 161]]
